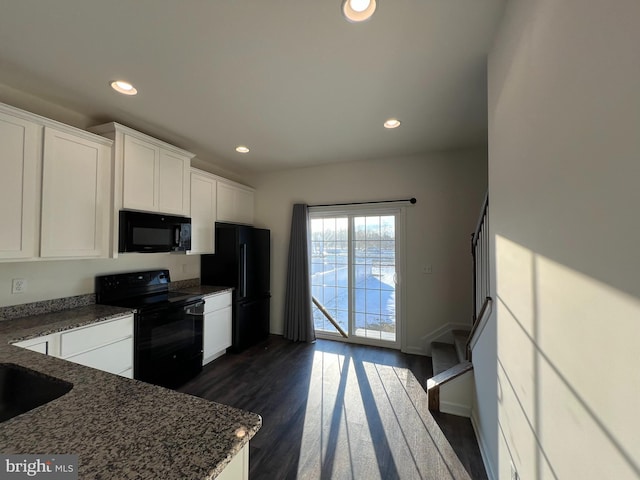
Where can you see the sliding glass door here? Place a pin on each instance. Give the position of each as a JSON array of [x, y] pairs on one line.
[[355, 271]]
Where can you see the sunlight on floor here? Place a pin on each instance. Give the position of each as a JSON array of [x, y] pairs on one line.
[[373, 423]]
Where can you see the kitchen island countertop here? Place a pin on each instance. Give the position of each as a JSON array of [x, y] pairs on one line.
[[120, 428]]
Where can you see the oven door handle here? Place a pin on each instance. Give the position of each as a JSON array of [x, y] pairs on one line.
[[196, 309]]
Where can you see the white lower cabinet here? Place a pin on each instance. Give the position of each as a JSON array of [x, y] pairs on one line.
[[217, 326], [107, 346], [238, 467], [112, 357], [47, 344]]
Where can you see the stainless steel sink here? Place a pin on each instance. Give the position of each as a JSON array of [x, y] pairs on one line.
[[22, 389]]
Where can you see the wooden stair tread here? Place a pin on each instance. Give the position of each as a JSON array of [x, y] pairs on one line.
[[443, 356]]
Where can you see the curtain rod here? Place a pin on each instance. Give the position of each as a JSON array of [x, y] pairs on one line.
[[410, 200]]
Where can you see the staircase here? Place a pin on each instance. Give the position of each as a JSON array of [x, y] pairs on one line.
[[450, 388], [446, 355]]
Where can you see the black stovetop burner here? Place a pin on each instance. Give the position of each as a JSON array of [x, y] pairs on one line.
[[140, 290]]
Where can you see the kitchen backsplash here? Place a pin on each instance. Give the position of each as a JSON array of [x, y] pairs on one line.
[[57, 304], [191, 282], [46, 306]]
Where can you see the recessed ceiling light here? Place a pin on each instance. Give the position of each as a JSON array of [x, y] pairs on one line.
[[242, 149], [392, 123], [123, 87], [358, 10]]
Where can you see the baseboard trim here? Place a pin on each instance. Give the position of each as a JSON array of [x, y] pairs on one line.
[[414, 351], [211, 358], [484, 452], [455, 409]]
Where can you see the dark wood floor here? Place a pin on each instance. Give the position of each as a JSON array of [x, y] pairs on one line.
[[333, 410]]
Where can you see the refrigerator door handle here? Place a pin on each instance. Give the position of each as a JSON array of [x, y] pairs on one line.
[[243, 270]]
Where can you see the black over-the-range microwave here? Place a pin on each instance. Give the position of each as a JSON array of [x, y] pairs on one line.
[[152, 232]]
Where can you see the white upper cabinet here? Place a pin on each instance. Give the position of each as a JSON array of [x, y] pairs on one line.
[[150, 175], [203, 212], [141, 174], [19, 186], [55, 189], [76, 198], [214, 199], [174, 183], [235, 203]]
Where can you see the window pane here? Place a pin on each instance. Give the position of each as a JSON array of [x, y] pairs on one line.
[[374, 276], [329, 278], [363, 259]]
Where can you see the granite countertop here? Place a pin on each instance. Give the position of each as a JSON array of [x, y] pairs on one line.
[[120, 428], [205, 289]]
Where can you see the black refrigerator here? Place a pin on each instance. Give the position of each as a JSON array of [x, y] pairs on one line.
[[242, 261]]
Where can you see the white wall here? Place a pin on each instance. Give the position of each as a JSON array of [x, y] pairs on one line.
[[449, 188], [47, 280], [564, 164]]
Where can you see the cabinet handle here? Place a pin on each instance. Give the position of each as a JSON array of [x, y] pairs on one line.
[[243, 280]]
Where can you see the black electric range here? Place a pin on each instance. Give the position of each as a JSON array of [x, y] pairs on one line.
[[168, 325]]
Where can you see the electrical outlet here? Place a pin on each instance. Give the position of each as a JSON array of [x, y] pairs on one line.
[[427, 270], [19, 285]]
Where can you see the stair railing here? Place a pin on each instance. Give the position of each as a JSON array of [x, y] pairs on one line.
[[480, 252]]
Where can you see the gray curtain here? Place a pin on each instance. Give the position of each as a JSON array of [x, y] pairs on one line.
[[298, 318]]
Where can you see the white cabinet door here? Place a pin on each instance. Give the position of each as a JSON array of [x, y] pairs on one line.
[[203, 213], [226, 202], [235, 204], [174, 183], [107, 346], [217, 326], [75, 196], [244, 206], [217, 334], [19, 186], [141, 175], [155, 179], [112, 358], [238, 467], [47, 344]]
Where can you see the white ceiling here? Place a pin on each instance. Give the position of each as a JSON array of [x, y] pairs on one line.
[[291, 79]]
